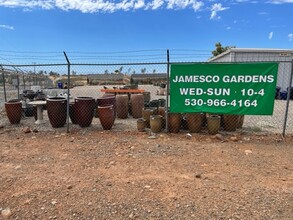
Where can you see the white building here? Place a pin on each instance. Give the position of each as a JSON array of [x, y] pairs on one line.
[[283, 56]]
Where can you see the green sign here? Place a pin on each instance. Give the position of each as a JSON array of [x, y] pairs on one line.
[[238, 88]]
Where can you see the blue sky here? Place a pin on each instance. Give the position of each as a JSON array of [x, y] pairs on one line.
[[39, 31]]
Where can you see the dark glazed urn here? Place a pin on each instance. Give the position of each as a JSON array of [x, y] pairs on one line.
[[13, 110], [84, 107], [57, 111], [106, 116]]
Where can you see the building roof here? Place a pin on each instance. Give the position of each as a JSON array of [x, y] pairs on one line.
[[251, 50], [105, 76], [149, 76]]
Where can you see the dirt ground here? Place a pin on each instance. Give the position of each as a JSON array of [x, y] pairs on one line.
[[96, 174]]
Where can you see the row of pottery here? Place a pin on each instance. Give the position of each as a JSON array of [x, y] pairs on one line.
[[194, 122], [81, 112]]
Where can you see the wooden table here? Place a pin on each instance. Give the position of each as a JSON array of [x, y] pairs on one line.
[[123, 91], [39, 104]]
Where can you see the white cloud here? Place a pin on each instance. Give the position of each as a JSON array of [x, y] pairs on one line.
[[215, 9], [271, 35], [290, 36], [182, 4], [92, 6], [279, 1], [6, 27]]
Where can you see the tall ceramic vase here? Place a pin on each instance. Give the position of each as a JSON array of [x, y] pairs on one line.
[[57, 111], [13, 110], [122, 106], [137, 104], [84, 109], [106, 116]]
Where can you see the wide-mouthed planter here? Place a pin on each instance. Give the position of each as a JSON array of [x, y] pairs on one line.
[[105, 101], [13, 110], [57, 111], [106, 116], [84, 109]]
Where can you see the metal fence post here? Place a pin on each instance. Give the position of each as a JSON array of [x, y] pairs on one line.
[[168, 90], [288, 101], [68, 89], [18, 84], [4, 88]]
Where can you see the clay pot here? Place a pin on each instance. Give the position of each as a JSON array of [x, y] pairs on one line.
[[137, 104], [147, 96], [194, 122], [213, 124], [106, 100], [174, 122], [146, 113], [122, 106], [230, 122], [162, 102], [240, 121], [140, 124], [106, 116], [57, 111], [84, 107], [156, 123], [72, 113], [13, 110]]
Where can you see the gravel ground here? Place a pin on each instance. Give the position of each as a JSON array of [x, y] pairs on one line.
[[125, 174]]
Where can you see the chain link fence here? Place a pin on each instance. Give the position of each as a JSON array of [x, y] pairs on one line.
[[120, 97]]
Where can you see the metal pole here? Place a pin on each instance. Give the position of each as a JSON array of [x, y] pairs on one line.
[[4, 88], [17, 77], [168, 89], [23, 81], [68, 89], [288, 101]]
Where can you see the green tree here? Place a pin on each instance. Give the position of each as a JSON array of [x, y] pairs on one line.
[[220, 49], [143, 70]]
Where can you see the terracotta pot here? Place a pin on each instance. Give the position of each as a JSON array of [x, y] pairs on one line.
[[106, 116], [140, 124], [230, 122], [194, 122], [122, 106], [156, 123], [137, 104], [57, 111], [213, 124], [174, 122], [84, 107], [13, 110]]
